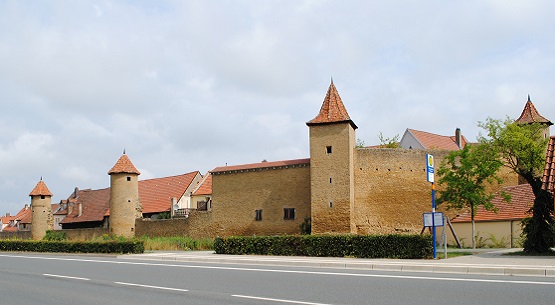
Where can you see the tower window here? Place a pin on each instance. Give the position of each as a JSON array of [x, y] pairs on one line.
[[289, 213], [258, 215], [128, 178], [42, 197], [328, 150], [331, 204], [330, 179]]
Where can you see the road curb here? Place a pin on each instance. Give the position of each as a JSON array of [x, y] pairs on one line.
[[432, 267]]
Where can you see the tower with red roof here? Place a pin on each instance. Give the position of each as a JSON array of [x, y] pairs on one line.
[[42, 220], [125, 205], [531, 115], [332, 145]]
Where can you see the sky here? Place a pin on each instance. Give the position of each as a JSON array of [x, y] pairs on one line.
[[187, 86]]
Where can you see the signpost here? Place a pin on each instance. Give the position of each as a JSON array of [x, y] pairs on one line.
[[430, 177]]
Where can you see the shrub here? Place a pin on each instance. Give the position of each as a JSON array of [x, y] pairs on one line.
[[72, 247], [55, 235], [363, 246]]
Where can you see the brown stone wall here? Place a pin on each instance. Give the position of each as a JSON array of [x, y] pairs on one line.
[[392, 191], [16, 235], [196, 226], [332, 178], [236, 197]]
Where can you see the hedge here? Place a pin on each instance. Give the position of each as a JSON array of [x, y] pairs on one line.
[[72, 246], [361, 246]]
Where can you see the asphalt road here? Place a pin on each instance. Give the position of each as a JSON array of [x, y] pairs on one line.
[[64, 279]]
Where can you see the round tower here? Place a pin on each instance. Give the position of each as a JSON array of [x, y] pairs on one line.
[[41, 211], [125, 205], [332, 159], [531, 115]]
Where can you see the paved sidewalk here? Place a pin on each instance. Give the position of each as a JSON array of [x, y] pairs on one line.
[[491, 262]]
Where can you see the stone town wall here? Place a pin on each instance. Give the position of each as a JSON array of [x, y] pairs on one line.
[[391, 190], [236, 197], [16, 235], [197, 225], [85, 234]]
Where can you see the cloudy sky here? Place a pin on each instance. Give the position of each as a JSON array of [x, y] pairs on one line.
[[191, 85]]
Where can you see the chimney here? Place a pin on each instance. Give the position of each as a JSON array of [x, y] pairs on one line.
[[80, 207], [69, 208], [458, 138], [75, 192], [7, 214]]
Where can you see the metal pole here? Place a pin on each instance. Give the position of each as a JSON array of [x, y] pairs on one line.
[[433, 219]]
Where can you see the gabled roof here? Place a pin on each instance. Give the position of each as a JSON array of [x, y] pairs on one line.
[[548, 178], [155, 195], [124, 165], [531, 115], [204, 187], [435, 141], [261, 165], [522, 199], [94, 204], [40, 190], [332, 110]]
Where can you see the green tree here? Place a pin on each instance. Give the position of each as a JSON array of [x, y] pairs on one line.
[[466, 173], [522, 148], [389, 142]]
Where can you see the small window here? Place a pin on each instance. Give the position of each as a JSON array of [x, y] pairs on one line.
[[330, 180], [42, 197], [289, 213], [331, 204], [328, 150], [258, 215], [128, 178]]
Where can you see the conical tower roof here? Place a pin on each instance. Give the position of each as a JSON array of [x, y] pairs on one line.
[[41, 190], [332, 111], [531, 115], [124, 165]]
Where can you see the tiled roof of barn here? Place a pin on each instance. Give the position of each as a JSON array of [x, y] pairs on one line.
[[548, 179], [517, 208], [204, 187]]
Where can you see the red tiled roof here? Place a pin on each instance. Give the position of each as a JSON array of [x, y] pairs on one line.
[[332, 110], [124, 165], [261, 165], [522, 199], [435, 141], [155, 195], [205, 186], [26, 217], [40, 189], [531, 115], [10, 229], [548, 179], [94, 203]]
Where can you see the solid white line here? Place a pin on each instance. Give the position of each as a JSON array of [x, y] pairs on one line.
[[67, 277], [287, 271], [148, 286], [276, 300]]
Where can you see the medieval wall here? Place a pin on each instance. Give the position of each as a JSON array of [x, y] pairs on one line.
[[197, 225], [86, 234], [237, 196], [391, 190]]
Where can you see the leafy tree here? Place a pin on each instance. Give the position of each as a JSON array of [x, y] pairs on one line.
[[466, 173], [389, 142], [522, 148]]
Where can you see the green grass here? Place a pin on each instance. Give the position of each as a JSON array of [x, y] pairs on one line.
[[454, 254], [177, 243]]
